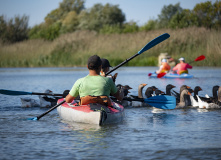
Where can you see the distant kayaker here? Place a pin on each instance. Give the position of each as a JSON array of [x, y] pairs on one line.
[[182, 67], [94, 88], [105, 68], [165, 67]]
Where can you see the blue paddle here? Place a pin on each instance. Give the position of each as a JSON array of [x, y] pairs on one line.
[[161, 102], [17, 93], [148, 46]]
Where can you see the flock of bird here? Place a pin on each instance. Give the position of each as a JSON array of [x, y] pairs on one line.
[[184, 99]]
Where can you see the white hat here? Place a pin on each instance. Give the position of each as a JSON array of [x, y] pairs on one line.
[[164, 60], [182, 59]]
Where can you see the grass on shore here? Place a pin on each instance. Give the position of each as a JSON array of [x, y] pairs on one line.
[[74, 49]]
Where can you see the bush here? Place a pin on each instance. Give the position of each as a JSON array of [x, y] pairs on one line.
[[14, 29]]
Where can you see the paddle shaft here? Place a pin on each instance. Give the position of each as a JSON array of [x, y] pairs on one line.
[[121, 64], [200, 58], [149, 45], [51, 109], [47, 94], [17, 93]]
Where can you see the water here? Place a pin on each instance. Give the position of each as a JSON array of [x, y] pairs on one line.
[[144, 134]]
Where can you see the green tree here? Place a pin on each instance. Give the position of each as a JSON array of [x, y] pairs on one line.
[[54, 16], [14, 29], [72, 5], [130, 27], [70, 22], [217, 14], [110, 29], [183, 19], [150, 25], [45, 32], [3, 27], [52, 32], [35, 32], [167, 13], [98, 16], [205, 14], [65, 7]]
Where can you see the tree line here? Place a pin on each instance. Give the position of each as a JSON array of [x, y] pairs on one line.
[[71, 15]]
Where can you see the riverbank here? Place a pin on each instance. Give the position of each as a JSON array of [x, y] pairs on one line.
[[74, 49]]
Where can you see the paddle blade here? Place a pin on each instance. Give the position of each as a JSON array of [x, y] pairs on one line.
[[162, 102], [160, 75], [154, 42], [33, 119], [149, 74], [200, 58], [14, 93]]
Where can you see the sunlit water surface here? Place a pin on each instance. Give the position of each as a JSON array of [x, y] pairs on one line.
[[144, 133]]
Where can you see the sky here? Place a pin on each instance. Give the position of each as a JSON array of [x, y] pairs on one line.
[[139, 11]]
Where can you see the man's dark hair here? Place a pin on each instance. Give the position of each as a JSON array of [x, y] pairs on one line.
[[94, 62]]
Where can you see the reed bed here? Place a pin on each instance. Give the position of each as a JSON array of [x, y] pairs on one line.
[[74, 49]]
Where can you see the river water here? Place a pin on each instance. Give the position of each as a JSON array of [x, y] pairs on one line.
[[144, 134]]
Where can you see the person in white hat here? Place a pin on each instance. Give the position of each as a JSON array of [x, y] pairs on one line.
[[182, 67], [165, 67]]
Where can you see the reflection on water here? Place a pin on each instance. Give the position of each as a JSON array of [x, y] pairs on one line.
[[202, 110], [80, 126], [163, 118]]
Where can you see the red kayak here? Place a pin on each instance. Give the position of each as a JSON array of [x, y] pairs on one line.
[[93, 113]]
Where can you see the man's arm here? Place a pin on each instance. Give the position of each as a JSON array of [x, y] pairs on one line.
[[189, 66], [69, 98]]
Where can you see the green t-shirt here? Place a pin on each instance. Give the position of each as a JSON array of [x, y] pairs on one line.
[[93, 86]]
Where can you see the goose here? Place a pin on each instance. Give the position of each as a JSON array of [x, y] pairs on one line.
[[196, 92], [48, 101], [206, 105], [140, 96], [154, 90], [188, 100], [125, 90], [29, 102], [177, 95], [140, 90], [183, 100], [168, 89], [211, 99], [194, 103], [159, 92], [149, 91], [218, 101]]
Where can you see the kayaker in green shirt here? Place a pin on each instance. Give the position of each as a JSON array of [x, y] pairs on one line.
[[94, 85]]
